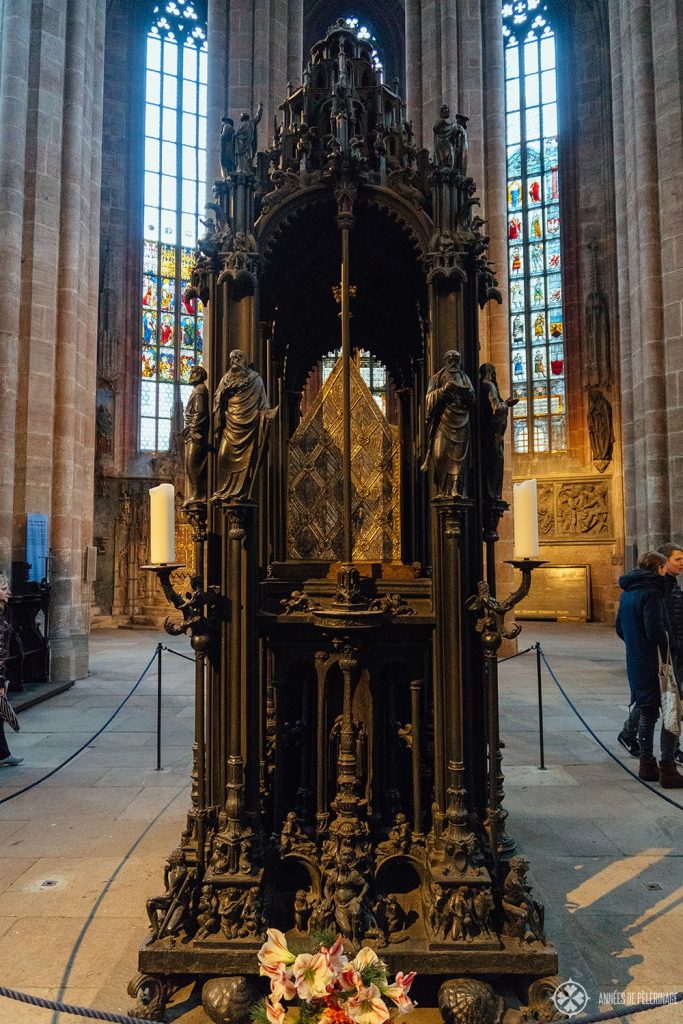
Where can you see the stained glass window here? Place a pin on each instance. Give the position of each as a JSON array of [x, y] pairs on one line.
[[534, 229], [171, 327], [373, 372], [365, 33]]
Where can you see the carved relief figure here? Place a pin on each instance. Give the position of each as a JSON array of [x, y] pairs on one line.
[[196, 434], [583, 509], [450, 397], [524, 914], [167, 912], [227, 148], [493, 413], [239, 404], [347, 889], [600, 428], [246, 140]]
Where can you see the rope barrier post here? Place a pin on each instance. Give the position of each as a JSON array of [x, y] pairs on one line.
[[160, 648], [540, 706]]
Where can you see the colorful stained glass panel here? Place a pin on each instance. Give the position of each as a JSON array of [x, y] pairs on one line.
[[174, 123]]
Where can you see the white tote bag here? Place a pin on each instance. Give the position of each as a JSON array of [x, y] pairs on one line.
[[671, 700]]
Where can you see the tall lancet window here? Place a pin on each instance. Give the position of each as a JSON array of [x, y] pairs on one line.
[[534, 250], [175, 171]]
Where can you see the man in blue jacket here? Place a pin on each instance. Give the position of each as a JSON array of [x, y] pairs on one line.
[[673, 602]]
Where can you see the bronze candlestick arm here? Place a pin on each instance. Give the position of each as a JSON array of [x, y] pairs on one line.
[[491, 622], [199, 607], [492, 630]]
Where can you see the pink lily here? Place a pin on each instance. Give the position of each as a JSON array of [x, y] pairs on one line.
[[367, 1007], [275, 1012], [335, 956], [398, 992], [281, 985], [312, 976], [350, 979], [274, 951]]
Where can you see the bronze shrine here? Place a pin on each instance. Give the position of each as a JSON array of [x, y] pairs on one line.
[[347, 767]]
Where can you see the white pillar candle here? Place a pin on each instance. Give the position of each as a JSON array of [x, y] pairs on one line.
[[162, 524], [525, 514]]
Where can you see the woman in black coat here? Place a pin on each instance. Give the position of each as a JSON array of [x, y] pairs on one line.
[[643, 626], [7, 759]]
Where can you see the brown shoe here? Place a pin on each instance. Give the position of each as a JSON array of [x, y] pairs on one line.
[[669, 777], [648, 768]]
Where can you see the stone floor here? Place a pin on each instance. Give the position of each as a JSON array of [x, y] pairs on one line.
[[80, 853]]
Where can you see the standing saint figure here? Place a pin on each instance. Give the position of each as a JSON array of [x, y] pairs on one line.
[[493, 415], [450, 397], [227, 154], [196, 435], [600, 428], [245, 139], [450, 140], [240, 411]]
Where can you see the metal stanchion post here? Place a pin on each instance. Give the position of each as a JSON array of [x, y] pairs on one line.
[[159, 650], [540, 705]]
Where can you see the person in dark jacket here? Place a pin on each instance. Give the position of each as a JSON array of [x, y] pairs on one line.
[[7, 759], [642, 623], [673, 603]]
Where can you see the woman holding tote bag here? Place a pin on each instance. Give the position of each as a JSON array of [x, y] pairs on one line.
[[642, 625]]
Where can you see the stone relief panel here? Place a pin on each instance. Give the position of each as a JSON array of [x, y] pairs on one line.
[[575, 510]]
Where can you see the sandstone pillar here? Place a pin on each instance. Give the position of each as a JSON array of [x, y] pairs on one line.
[[15, 24], [218, 41], [645, 137], [414, 68]]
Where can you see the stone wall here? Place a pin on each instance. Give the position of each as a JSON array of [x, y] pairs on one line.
[[51, 66]]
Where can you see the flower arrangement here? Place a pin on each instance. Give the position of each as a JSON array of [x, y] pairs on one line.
[[330, 988]]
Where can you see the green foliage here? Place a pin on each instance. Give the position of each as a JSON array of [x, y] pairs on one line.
[[324, 937], [309, 1012], [258, 1012], [375, 974]]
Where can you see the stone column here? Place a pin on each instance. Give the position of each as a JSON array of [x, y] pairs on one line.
[[295, 40], [643, 135], [76, 339], [218, 41], [414, 68], [449, 54], [15, 24], [667, 54]]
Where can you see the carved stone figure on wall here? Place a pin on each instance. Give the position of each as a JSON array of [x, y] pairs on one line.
[[583, 508], [227, 156], [239, 406], [493, 414], [450, 397], [196, 435], [246, 141], [600, 429], [598, 355], [450, 140]]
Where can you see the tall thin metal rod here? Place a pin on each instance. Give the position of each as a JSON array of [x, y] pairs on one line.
[[159, 650], [346, 379], [539, 685]]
